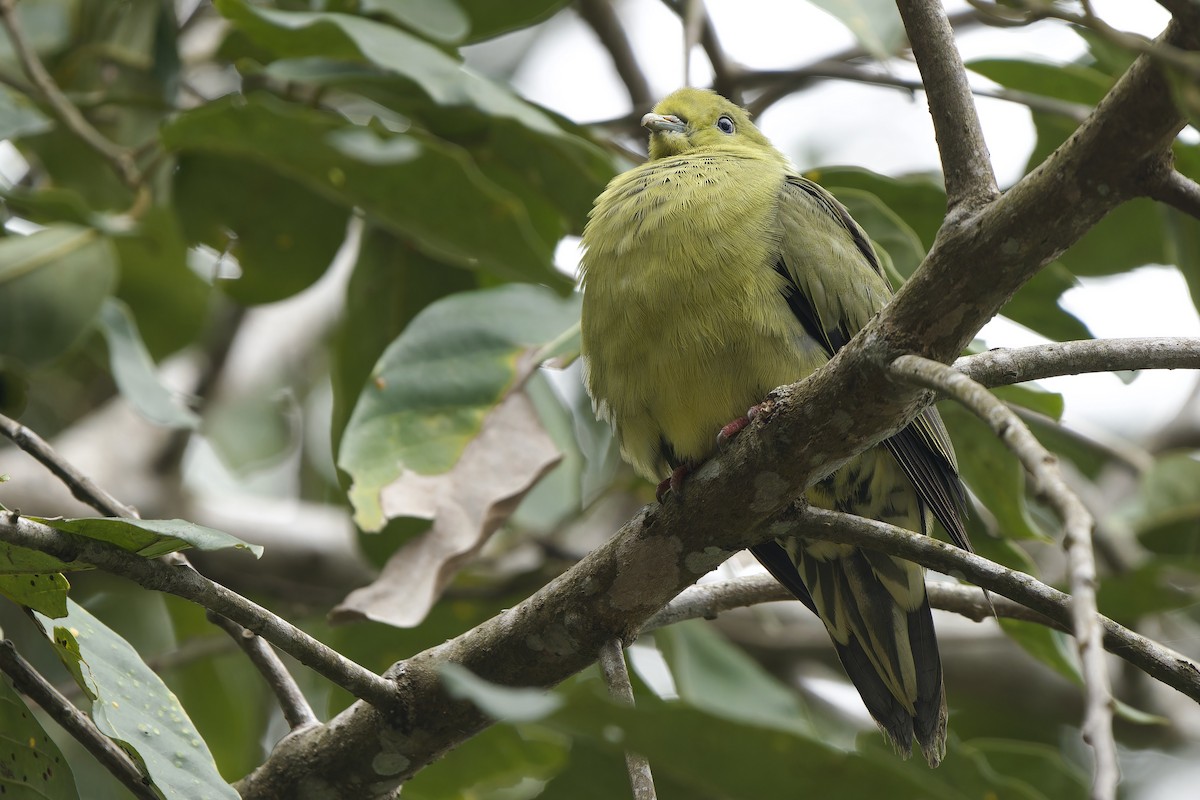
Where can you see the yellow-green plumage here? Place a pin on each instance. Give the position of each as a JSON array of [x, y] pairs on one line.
[[713, 274]]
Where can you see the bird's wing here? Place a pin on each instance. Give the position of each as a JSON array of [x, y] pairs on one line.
[[834, 289]]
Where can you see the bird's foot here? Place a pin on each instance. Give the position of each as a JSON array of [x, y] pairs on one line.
[[673, 483], [734, 428]]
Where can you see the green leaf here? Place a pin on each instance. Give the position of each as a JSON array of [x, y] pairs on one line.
[[1071, 82], [43, 592], [390, 284], [168, 300], [875, 23], [34, 767], [715, 676], [21, 561], [489, 18], [448, 208], [502, 756], [1047, 645], [19, 117], [1035, 305], [498, 702], [52, 285], [282, 246], [443, 22], [133, 706], [341, 36], [135, 372], [1031, 396], [150, 538], [1154, 586], [47, 25], [919, 200], [886, 229], [433, 387], [1165, 510]]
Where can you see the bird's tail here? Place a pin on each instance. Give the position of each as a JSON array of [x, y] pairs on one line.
[[878, 616]]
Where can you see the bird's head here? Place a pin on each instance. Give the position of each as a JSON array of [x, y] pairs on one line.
[[689, 120]]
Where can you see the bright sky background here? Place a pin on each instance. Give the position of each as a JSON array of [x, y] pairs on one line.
[[839, 123]]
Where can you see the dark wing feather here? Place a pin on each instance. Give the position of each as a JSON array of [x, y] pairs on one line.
[[923, 448]]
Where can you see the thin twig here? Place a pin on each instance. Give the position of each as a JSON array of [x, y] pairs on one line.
[[616, 677], [118, 157], [185, 582], [970, 181], [603, 20], [725, 71], [1133, 458], [82, 487], [707, 600], [292, 702], [29, 682], [1178, 191], [1077, 540], [1005, 366]]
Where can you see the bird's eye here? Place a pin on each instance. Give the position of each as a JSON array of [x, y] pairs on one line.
[[725, 125]]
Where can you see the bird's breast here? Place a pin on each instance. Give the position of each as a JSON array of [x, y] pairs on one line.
[[684, 322]]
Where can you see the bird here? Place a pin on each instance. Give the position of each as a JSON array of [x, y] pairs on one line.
[[714, 273]]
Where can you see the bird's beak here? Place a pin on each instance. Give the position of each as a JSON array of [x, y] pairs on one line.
[[659, 123]]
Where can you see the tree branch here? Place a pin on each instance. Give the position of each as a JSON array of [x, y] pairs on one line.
[[292, 702], [707, 600], [1178, 191], [30, 683], [1077, 541], [616, 677], [975, 266], [119, 158], [183, 581], [970, 182], [603, 20], [82, 487], [1005, 366]]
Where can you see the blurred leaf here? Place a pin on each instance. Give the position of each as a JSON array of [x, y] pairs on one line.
[[132, 705], [18, 116], [1051, 647], [34, 767], [451, 210], [1131, 235], [251, 431], [919, 200], [43, 592], [1033, 397], [875, 23], [467, 504], [1147, 589], [391, 282], [283, 246], [1165, 510], [442, 22], [47, 25], [885, 228], [1035, 305], [489, 18], [52, 285], [991, 471], [431, 390], [168, 300], [595, 774], [150, 538], [135, 372], [1072, 82], [500, 757], [498, 702], [72, 167], [715, 676], [340, 36]]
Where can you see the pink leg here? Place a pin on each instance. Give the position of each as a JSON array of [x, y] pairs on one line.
[[673, 483], [734, 428]]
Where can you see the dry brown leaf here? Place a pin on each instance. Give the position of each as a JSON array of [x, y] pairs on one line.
[[467, 505]]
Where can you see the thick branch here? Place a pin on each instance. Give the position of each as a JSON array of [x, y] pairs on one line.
[[29, 682], [970, 182], [1177, 191], [1077, 541], [1005, 366], [185, 582]]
